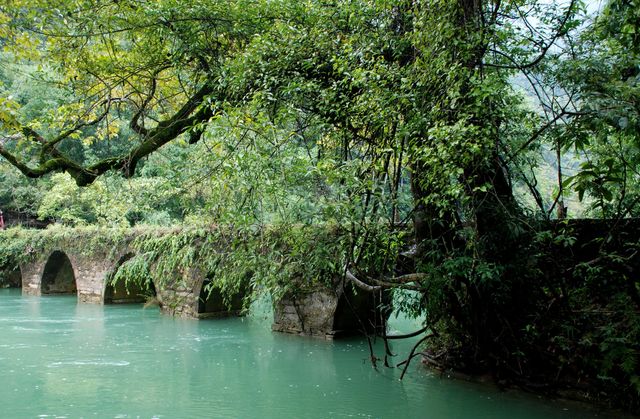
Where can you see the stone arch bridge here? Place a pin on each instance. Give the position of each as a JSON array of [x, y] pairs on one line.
[[65, 269]]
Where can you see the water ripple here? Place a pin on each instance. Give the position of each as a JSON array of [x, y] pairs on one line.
[[90, 362]]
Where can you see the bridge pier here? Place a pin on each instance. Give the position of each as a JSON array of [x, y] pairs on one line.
[[31, 277], [328, 312], [91, 274], [193, 294]]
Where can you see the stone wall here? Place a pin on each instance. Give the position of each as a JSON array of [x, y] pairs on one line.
[[31, 276]]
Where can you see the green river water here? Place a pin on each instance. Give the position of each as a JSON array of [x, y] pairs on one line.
[[60, 359]]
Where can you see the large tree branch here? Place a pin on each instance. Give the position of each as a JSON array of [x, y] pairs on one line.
[[396, 282], [49, 166], [362, 285], [167, 130]]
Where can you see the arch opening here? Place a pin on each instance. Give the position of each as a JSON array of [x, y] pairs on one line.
[[10, 277], [123, 291], [58, 276], [359, 313], [211, 302]]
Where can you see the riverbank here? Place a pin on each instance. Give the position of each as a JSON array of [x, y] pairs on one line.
[[571, 398]]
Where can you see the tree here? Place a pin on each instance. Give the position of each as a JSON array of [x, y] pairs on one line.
[[409, 87], [603, 76], [154, 65]]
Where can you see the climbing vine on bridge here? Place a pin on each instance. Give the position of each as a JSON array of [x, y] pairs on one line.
[[277, 259], [19, 245]]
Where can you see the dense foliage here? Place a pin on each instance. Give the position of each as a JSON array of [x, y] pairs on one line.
[[412, 130]]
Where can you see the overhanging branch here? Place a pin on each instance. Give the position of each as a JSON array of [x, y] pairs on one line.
[[402, 281], [167, 130]]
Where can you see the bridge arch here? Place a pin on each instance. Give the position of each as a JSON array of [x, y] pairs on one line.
[[11, 277], [359, 312], [211, 303], [58, 275], [126, 293]]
